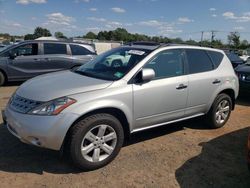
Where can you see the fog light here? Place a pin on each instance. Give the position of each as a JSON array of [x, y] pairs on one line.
[[34, 141]]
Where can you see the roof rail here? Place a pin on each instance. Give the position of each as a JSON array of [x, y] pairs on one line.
[[143, 43], [174, 44], [155, 44]]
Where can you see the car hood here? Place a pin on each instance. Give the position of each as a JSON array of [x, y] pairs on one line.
[[59, 84], [243, 68]]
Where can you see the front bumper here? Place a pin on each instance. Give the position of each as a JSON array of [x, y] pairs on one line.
[[42, 131]]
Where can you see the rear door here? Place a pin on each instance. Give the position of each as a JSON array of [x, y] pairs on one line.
[[56, 57], [202, 81], [27, 63]]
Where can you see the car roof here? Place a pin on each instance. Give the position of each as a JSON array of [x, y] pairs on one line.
[[55, 41], [90, 47]]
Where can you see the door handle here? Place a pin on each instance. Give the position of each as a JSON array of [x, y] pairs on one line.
[[36, 59], [216, 81], [181, 86]]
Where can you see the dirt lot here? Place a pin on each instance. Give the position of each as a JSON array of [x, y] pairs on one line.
[[186, 154]]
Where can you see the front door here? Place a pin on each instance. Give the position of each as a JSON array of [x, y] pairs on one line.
[[25, 63], [164, 98]]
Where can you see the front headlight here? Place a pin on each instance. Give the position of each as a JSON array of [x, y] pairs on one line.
[[53, 107]]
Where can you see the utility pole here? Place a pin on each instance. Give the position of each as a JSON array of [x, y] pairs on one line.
[[212, 35], [202, 32]]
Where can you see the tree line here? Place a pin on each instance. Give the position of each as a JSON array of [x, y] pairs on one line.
[[121, 34]]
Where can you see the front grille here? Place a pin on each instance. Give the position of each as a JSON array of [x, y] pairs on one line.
[[22, 105]]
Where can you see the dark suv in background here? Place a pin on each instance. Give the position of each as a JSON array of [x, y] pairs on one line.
[[32, 58], [243, 72], [234, 58]]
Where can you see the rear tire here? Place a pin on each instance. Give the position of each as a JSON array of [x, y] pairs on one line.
[[2, 79], [220, 111], [95, 141]]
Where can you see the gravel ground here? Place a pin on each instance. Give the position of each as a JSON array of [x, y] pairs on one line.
[[185, 154]]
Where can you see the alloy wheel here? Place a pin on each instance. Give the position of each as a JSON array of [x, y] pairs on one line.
[[99, 143], [222, 112]]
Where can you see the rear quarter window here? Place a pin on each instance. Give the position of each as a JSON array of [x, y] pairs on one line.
[[198, 61], [79, 50], [216, 57]]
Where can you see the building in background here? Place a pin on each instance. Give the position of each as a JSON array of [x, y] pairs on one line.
[[100, 46], [47, 38]]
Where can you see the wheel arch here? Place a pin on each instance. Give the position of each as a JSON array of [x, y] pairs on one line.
[[5, 74], [231, 93], [119, 114]]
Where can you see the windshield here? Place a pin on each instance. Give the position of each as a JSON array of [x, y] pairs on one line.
[[114, 64]]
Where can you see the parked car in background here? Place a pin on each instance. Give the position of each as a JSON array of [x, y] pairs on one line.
[[90, 111], [245, 58], [243, 72], [2, 46], [234, 58], [32, 58], [117, 60]]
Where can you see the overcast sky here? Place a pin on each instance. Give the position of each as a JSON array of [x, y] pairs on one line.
[[171, 18]]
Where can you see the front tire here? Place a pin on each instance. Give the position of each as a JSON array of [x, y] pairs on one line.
[[220, 111], [95, 141]]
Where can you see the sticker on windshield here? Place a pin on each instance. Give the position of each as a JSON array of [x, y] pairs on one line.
[[136, 52], [118, 74]]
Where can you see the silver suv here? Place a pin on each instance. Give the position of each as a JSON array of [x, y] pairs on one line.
[[91, 110]]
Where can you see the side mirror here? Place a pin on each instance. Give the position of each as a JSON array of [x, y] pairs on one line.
[[147, 74], [12, 55]]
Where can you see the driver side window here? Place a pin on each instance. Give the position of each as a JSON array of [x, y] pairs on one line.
[[26, 50], [166, 64]]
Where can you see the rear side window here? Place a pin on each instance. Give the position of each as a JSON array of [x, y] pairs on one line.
[[79, 50], [216, 57], [53, 48], [198, 61]]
